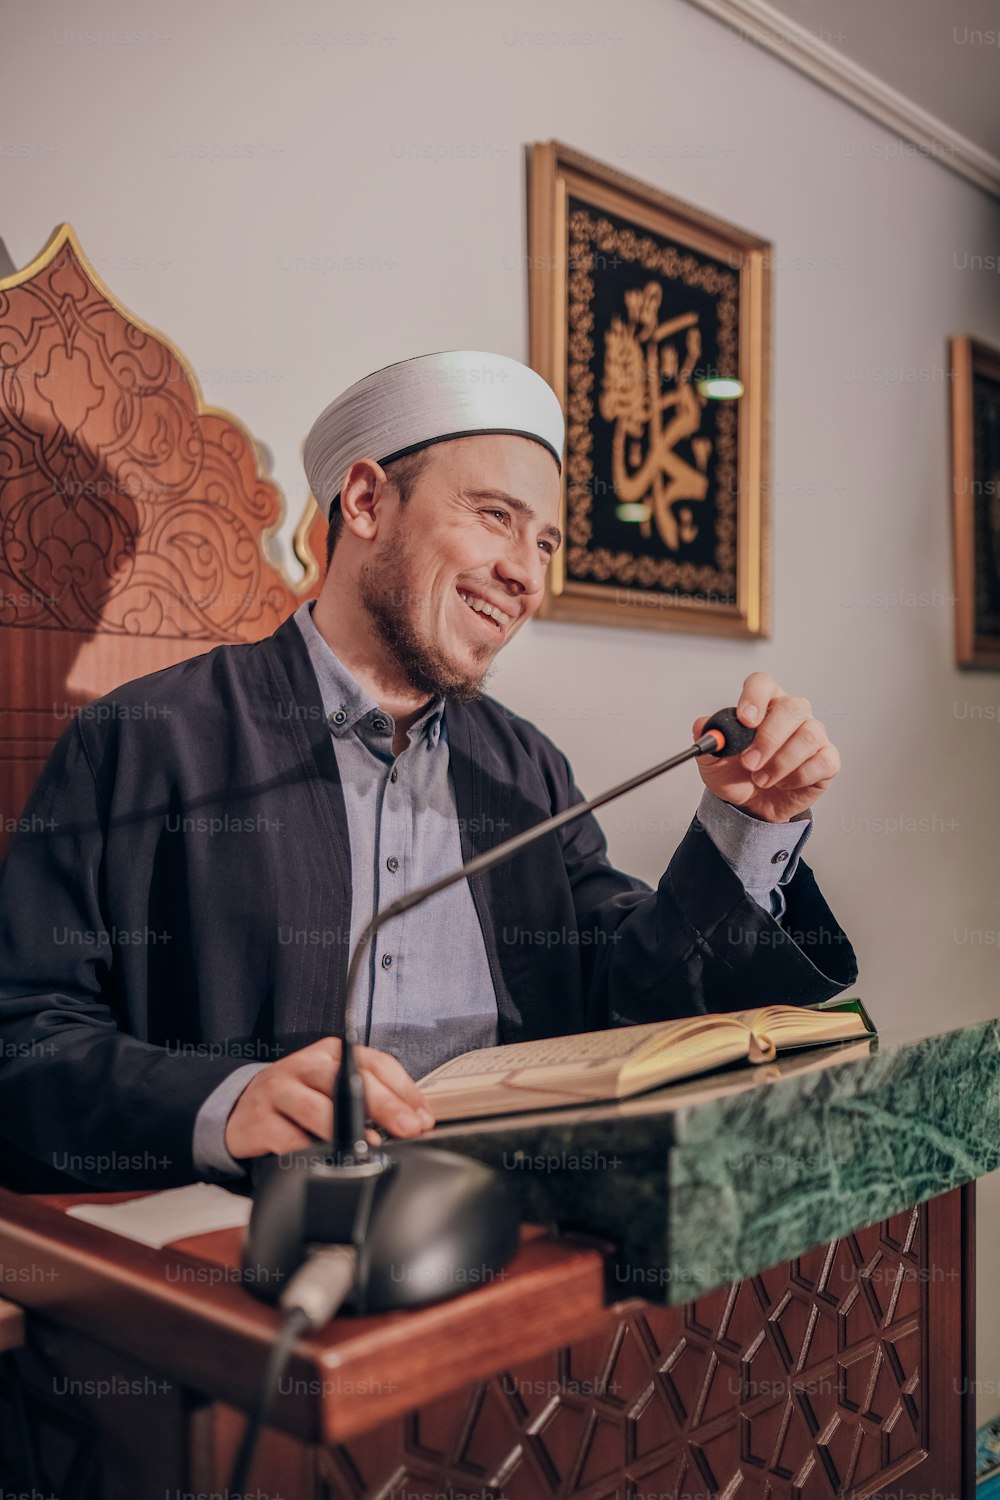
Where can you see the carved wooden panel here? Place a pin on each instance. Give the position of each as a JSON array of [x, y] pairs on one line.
[[128, 506], [806, 1382], [847, 1372], [133, 518]]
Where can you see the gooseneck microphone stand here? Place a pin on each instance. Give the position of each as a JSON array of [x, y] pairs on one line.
[[724, 736]]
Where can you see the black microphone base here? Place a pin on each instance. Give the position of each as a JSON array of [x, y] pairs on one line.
[[437, 1223]]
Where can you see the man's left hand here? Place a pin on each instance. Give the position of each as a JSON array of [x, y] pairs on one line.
[[795, 761]]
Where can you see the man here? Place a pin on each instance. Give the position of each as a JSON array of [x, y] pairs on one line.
[[173, 955]]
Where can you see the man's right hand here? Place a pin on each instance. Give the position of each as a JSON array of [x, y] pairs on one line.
[[289, 1104]]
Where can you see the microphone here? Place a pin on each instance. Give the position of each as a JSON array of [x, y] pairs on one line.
[[403, 1224], [734, 736]]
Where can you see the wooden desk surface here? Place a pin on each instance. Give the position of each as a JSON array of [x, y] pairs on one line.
[[184, 1312]]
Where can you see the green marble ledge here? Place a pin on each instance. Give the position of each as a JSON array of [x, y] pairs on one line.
[[706, 1182]]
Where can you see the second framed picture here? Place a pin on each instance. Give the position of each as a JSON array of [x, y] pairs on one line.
[[975, 500], [651, 321]]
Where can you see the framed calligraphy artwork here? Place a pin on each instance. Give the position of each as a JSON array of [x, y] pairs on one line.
[[651, 321], [975, 501]]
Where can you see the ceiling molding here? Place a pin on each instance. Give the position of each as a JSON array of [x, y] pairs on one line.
[[829, 66]]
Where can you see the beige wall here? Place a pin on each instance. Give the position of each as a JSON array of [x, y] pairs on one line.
[[380, 213]]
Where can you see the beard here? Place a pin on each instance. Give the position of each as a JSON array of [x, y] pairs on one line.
[[391, 608]]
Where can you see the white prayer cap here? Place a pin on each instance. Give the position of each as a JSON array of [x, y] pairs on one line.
[[426, 400]]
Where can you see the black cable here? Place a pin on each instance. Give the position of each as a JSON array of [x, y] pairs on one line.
[[296, 1322], [312, 1297]]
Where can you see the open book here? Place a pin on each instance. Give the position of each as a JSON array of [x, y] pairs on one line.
[[625, 1060]]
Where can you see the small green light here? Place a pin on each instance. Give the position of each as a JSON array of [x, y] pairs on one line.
[[632, 511], [720, 388]]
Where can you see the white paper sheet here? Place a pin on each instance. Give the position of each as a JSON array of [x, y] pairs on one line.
[[174, 1214]]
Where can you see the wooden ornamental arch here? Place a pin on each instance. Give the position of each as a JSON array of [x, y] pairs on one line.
[[134, 518]]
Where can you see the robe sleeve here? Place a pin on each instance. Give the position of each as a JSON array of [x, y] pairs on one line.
[[79, 1095], [699, 943]]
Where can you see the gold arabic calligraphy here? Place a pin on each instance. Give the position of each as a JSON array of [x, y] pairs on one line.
[[647, 392]]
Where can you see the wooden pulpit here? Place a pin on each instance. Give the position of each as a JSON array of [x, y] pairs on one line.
[[755, 1285]]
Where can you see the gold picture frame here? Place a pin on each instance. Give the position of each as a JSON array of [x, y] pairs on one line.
[[975, 502], [616, 263]]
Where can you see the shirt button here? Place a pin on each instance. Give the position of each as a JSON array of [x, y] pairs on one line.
[[387, 960], [380, 725], [392, 863], [394, 776], [340, 717], [780, 857]]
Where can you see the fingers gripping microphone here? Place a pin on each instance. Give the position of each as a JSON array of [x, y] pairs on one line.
[[731, 736]]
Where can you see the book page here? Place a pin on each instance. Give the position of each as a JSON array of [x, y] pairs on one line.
[[777, 1026], [580, 1049], [534, 1088]]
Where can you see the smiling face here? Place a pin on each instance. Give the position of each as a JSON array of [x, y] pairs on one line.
[[458, 569]]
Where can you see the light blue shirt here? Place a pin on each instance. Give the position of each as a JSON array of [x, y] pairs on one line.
[[404, 832]]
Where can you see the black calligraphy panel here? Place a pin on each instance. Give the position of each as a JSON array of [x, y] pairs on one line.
[[653, 465]]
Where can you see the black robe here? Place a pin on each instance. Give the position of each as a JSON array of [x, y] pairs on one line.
[[179, 900]]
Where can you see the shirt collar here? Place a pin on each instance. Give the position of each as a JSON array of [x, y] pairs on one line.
[[346, 705]]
